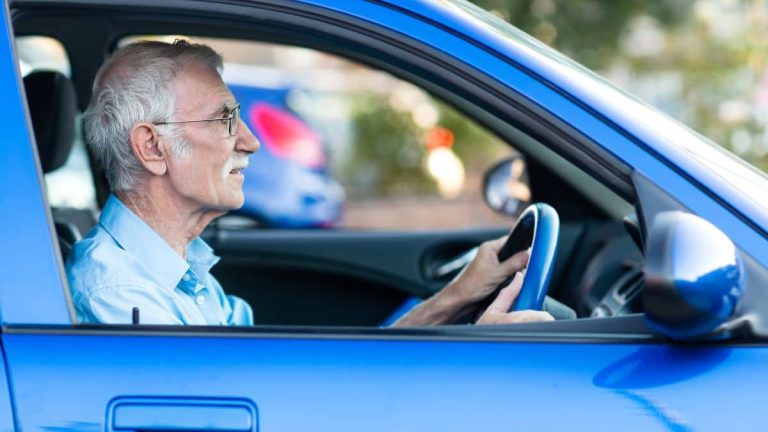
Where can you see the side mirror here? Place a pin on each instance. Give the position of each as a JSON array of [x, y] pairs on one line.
[[694, 276], [506, 187]]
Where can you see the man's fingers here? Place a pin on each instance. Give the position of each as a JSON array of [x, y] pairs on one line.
[[497, 312], [495, 245], [526, 316], [494, 317], [507, 295], [516, 262]]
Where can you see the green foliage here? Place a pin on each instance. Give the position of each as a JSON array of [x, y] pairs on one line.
[[387, 153], [586, 30], [476, 147], [389, 150], [709, 71], [716, 50]]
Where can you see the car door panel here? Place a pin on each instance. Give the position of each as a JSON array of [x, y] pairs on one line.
[[6, 408], [388, 382]]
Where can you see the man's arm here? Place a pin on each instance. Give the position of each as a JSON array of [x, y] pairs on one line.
[[476, 282]]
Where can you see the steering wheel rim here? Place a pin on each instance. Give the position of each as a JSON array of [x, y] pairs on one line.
[[538, 227]]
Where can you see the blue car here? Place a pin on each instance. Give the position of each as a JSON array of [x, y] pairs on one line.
[[288, 183], [655, 237]]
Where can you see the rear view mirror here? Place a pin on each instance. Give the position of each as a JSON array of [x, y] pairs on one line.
[[506, 187], [694, 276]]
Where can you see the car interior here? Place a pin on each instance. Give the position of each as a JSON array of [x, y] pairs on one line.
[[339, 277]]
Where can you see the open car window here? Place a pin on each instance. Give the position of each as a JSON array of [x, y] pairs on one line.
[[346, 146], [347, 150], [366, 196]]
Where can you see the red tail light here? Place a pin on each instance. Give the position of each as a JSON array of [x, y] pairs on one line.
[[286, 135]]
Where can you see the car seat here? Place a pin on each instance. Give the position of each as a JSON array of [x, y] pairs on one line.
[[53, 107]]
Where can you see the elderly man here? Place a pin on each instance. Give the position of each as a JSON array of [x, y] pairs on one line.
[[168, 132]]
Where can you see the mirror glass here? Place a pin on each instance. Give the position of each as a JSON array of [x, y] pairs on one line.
[[506, 186]]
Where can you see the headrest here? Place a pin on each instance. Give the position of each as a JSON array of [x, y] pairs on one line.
[[52, 105]]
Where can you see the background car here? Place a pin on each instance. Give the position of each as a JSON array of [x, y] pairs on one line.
[[288, 183], [661, 247]]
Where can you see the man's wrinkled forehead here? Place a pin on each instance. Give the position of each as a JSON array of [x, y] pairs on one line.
[[201, 90]]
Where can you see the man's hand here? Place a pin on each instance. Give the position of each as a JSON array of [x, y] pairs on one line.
[[497, 312], [476, 282], [484, 273]]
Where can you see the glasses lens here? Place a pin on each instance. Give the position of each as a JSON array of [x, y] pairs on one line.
[[234, 118]]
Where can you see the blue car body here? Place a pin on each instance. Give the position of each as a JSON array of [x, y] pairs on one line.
[[599, 374]]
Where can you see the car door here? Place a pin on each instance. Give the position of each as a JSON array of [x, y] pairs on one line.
[[6, 409], [608, 374]]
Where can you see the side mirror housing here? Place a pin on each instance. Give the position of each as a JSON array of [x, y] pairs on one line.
[[694, 276]]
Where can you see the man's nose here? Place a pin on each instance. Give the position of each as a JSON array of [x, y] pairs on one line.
[[246, 140]]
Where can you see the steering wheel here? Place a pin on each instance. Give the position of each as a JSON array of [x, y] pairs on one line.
[[538, 228]]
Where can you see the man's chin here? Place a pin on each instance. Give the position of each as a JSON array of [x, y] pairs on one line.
[[230, 203], [238, 202]]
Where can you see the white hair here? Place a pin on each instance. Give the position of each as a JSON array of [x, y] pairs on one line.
[[135, 85]]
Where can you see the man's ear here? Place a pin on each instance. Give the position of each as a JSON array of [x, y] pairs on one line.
[[149, 150]]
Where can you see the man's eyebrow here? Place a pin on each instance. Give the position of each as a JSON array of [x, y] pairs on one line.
[[223, 109]]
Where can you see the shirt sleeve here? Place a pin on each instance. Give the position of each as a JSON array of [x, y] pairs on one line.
[[238, 312], [114, 305], [241, 313]]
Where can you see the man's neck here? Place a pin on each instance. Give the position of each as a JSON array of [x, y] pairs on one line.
[[173, 218]]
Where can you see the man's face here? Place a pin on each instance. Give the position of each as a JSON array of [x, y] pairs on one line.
[[210, 177]]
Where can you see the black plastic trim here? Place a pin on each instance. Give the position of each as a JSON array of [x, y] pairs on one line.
[[623, 330]]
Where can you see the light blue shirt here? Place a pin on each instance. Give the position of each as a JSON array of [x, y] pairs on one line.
[[123, 263]]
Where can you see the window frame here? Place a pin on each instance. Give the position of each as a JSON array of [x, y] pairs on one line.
[[432, 69]]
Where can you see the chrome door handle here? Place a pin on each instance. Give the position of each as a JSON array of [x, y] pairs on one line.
[[187, 414]]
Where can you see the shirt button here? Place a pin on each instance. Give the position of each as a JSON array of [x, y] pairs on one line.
[[185, 277], [200, 299]]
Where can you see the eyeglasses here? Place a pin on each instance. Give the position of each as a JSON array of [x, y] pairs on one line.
[[232, 118]]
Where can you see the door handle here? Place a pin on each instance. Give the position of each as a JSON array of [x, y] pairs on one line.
[[134, 414]]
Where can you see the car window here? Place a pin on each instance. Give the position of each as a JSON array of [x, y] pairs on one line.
[[348, 146]]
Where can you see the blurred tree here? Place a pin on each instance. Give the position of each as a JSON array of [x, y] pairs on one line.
[[475, 146], [586, 30], [701, 61], [388, 152]]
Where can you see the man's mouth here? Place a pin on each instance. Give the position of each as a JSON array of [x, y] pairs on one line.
[[238, 168], [234, 167]]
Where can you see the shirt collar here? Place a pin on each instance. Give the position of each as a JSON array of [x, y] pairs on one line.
[[200, 257], [134, 235]]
